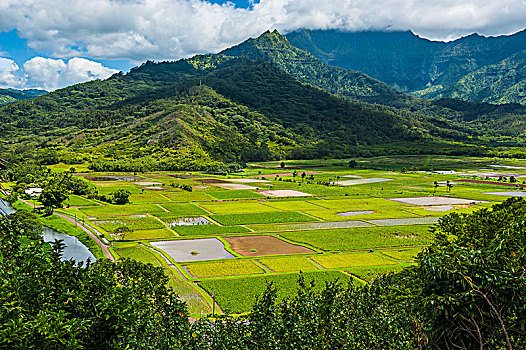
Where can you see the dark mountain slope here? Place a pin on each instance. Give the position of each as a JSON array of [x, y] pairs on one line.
[[275, 48], [410, 63]]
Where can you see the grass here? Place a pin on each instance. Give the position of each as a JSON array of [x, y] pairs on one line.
[[182, 209], [341, 260], [125, 210], [235, 194], [362, 237], [196, 230], [261, 218], [134, 224], [238, 295], [288, 264], [224, 268], [236, 207]]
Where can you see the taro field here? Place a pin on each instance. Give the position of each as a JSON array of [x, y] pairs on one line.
[[224, 240]]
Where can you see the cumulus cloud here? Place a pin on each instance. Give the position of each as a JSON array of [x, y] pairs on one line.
[[9, 73], [170, 29], [50, 74]]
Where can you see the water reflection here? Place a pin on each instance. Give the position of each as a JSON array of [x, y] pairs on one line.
[[74, 249]]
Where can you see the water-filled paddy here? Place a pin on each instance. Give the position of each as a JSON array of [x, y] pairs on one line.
[[508, 193], [434, 201], [194, 249]]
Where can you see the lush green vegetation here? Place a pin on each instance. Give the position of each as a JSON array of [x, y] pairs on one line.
[[223, 268]]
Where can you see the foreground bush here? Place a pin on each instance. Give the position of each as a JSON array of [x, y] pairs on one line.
[[467, 290]]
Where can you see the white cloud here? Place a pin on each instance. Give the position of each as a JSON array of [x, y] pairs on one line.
[[51, 74], [171, 29], [9, 73]]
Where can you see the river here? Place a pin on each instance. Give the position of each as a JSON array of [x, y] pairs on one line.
[[74, 249]]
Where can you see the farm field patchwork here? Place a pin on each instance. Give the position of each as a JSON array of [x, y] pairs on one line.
[[325, 225]]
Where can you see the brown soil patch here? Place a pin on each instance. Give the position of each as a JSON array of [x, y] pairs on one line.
[[264, 245]]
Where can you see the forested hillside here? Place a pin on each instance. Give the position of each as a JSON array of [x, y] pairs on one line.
[[261, 100], [12, 95], [475, 68], [205, 113]]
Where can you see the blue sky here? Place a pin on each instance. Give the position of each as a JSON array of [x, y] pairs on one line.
[[52, 44]]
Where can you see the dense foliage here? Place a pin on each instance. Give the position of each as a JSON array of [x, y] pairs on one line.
[[468, 290]]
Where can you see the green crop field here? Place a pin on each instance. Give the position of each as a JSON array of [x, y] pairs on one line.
[[343, 260], [148, 197], [138, 253], [343, 222], [146, 235], [238, 295], [294, 205], [134, 224], [185, 196], [235, 194], [368, 273], [362, 237], [288, 264], [181, 209], [203, 230], [223, 268], [236, 207], [124, 210], [402, 254], [262, 218], [78, 201]]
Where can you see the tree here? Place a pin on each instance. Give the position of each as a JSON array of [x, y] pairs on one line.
[[449, 185], [282, 164], [470, 282], [353, 164], [53, 195], [303, 174], [435, 185], [120, 197], [294, 174], [48, 303]]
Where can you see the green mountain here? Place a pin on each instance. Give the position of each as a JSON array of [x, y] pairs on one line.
[[206, 112], [261, 100], [474, 67], [12, 95], [276, 49]]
